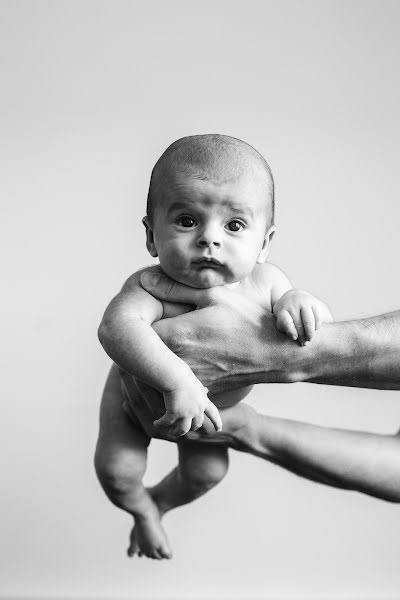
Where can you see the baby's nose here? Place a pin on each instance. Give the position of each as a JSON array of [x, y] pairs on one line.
[[209, 238], [208, 243]]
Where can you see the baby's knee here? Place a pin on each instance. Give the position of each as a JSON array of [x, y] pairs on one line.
[[118, 474], [205, 473]]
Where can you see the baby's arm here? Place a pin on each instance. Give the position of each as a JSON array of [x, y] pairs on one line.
[[298, 313], [128, 338]]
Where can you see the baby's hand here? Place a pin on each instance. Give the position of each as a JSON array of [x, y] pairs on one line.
[[299, 315], [185, 408]]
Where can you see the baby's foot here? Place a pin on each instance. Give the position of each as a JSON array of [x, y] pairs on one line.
[[148, 537]]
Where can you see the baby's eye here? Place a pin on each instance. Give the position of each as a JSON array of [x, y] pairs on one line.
[[186, 221], [235, 225]]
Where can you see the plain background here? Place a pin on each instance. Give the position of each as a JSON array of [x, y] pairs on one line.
[[92, 93]]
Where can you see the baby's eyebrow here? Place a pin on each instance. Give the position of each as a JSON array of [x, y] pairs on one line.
[[242, 210], [188, 205], [180, 205]]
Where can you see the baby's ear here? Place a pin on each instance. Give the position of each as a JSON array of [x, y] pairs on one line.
[[262, 257], [151, 247]]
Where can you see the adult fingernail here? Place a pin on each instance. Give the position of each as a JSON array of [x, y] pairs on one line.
[[149, 279]]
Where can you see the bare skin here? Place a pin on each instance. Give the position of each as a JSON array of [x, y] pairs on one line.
[[360, 353], [351, 460], [365, 354], [150, 538], [120, 464]]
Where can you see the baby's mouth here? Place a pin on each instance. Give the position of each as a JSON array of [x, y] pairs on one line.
[[205, 261]]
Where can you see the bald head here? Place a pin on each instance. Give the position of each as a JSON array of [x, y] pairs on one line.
[[210, 157]]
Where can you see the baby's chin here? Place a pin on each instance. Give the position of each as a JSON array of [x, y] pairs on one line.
[[204, 279]]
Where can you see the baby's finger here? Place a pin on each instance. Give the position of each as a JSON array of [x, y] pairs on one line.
[[197, 422], [307, 317], [212, 413], [317, 317], [298, 323], [326, 314], [165, 421], [284, 323], [181, 427]]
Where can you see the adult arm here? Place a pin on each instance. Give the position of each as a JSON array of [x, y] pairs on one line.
[[230, 341], [354, 460]]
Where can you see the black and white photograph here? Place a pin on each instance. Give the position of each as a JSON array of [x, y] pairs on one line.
[[201, 323]]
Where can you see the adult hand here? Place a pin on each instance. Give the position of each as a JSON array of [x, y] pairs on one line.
[[231, 342], [148, 405], [224, 340]]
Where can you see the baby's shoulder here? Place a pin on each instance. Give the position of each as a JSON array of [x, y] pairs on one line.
[[265, 283], [266, 276]]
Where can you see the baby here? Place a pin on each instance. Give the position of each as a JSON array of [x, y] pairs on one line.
[[210, 222]]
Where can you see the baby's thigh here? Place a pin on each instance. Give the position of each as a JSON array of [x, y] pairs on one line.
[[121, 445], [203, 463]]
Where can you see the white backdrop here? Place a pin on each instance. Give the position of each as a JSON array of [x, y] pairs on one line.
[[92, 93]]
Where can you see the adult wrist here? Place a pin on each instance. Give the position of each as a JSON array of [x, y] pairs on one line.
[[331, 354], [342, 354]]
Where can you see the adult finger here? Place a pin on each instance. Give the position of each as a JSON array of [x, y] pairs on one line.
[[164, 288], [212, 413], [307, 317], [285, 324]]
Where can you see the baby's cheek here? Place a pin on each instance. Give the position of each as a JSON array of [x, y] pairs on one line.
[[172, 263], [242, 267]]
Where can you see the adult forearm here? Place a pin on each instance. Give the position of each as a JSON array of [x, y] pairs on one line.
[[353, 460], [362, 353]]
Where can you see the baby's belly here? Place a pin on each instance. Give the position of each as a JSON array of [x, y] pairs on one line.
[[228, 399]]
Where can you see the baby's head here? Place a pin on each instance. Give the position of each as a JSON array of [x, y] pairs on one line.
[[210, 210]]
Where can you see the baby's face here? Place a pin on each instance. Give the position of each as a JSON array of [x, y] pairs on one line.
[[207, 234]]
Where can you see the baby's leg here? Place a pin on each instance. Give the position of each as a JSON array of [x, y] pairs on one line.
[[120, 462], [200, 468]]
